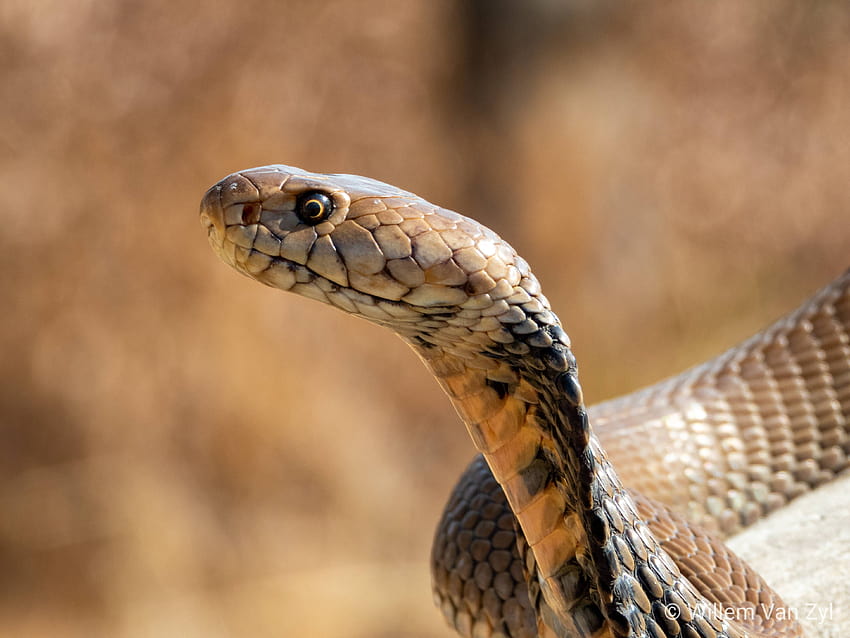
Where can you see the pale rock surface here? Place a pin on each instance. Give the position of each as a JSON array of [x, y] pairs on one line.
[[803, 551]]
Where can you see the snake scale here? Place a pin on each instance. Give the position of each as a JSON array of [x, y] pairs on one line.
[[562, 528]]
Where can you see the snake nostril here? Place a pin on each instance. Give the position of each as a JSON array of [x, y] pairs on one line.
[[251, 213]]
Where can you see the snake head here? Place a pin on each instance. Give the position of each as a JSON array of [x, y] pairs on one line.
[[375, 251]]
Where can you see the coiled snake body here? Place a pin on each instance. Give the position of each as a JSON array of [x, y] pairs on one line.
[[543, 536]]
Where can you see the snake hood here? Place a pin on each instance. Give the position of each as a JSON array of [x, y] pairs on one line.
[[379, 252]]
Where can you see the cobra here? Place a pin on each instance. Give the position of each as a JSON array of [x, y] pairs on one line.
[[571, 522]]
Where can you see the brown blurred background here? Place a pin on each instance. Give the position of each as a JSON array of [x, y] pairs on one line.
[[185, 453]]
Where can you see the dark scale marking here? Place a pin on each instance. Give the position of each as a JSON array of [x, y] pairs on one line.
[[622, 586], [419, 341], [502, 389], [545, 317], [573, 580], [548, 457], [661, 614], [558, 334], [517, 347], [556, 358], [570, 387], [440, 312], [251, 213], [534, 363], [537, 474], [539, 339], [589, 618]]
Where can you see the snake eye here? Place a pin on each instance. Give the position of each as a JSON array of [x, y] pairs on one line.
[[313, 207]]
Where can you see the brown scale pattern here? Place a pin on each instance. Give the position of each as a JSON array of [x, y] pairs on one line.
[[746, 431], [773, 415], [718, 574], [756, 405], [478, 571]]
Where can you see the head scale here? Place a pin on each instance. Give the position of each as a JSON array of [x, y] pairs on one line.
[[435, 277]]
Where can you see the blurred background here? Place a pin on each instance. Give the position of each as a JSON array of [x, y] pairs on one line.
[[185, 453]]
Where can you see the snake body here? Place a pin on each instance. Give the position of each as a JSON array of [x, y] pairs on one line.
[[543, 536]]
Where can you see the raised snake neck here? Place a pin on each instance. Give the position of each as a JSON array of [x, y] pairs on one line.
[[599, 560], [733, 439]]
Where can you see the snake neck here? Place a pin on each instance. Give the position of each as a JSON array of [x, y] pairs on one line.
[[595, 557]]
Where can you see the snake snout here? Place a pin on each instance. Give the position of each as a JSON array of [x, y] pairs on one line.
[[233, 200], [212, 217]]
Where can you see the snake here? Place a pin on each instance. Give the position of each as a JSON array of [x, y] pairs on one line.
[[597, 522]]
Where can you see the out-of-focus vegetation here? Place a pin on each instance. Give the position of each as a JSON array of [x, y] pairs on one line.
[[185, 453]]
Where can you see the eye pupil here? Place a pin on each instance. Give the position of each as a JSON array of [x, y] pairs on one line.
[[313, 208]]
